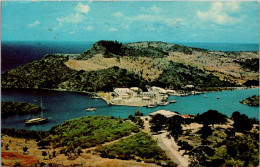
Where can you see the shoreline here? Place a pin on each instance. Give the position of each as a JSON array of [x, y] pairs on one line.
[[143, 104]]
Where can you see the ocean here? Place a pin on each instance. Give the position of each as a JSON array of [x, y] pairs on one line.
[[17, 53], [62, 106]]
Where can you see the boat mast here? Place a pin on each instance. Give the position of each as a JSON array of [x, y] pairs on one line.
[[41, 108]]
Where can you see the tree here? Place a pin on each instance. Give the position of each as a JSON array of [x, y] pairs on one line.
[[25, 149], [157, 122], [174, 126], [241, 122], [211, 117], [131, 117], [43, 143], [205, 131], [244, 148], [138, 113], [44, 153]]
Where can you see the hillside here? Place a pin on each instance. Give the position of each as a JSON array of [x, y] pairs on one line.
[[251, 101], [19, 108], [109, 64]]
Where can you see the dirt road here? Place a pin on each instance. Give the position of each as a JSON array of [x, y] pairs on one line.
[[168, 145]]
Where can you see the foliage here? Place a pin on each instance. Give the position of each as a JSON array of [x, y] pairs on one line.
[[138, 113], [178, 75], [241, 122], [205, 131], [251, 101], [136, 119], [27, 134], [21, 108], [251, 83], [141, 145], [51, 72], [244, 148], [211, 117], [157, 122], [90, 131], [174, 126], [251, 64]]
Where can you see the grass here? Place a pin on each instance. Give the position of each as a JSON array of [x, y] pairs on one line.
[[140, 146], [90, 131]]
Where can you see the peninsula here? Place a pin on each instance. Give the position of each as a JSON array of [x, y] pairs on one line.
[[110, 64]]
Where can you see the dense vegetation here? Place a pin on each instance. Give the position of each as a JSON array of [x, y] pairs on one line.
[[51, 72], [26, 134], [251, 64], [90, 131], [141, 145], [116, 49], [21, 108], [251, 101], [178, 75], [212, 145]]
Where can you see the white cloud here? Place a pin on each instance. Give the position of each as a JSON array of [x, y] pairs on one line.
[[112, 29], [72, 32], [72, 18], [170, 22], [233, 5], [220, 13], [150, 27], [89, 28], [118, 14], [34, 23], [153, 9], [75, 17], [82, 8]]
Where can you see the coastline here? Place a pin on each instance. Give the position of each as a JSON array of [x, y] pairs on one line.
[[104, 95]]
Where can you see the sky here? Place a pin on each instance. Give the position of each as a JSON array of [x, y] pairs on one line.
[[129, 21]]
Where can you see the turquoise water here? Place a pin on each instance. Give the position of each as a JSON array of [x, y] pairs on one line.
[[62, 106]]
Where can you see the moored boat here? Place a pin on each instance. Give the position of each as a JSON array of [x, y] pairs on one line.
[[91, 109], [96, 97], [163, 103], [152, 105], [37, 120], [173, 101]]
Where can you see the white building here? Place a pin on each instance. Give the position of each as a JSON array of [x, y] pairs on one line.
[[123, 91], [166, 113], [136, 89], [147, 94], [158, 90]]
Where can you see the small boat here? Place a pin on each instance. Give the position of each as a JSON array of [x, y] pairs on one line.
[[173, 101], [218, 97], [91, 109], [205, 96], [96, 97], [37, 120], [152, 105], [163, 103]]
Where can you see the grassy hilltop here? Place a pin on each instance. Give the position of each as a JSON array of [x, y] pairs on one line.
[[109, 64]]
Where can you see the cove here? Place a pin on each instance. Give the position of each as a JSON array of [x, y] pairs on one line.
[[62, 106]]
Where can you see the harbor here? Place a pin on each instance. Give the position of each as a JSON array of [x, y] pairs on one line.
[[62, 106]]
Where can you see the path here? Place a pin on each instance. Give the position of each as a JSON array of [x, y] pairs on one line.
[[168, 145]]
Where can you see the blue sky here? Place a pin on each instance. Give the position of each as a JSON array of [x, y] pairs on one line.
[[168, 21]]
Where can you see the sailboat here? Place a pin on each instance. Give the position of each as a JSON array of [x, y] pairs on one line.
[[90, 108], [37, 120]]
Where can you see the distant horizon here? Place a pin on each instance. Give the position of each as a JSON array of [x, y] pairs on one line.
[[125, 41]]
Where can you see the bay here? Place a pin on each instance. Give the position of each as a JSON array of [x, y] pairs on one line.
[[62, 106]]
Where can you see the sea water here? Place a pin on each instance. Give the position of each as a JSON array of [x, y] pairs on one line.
[[62, 106]]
